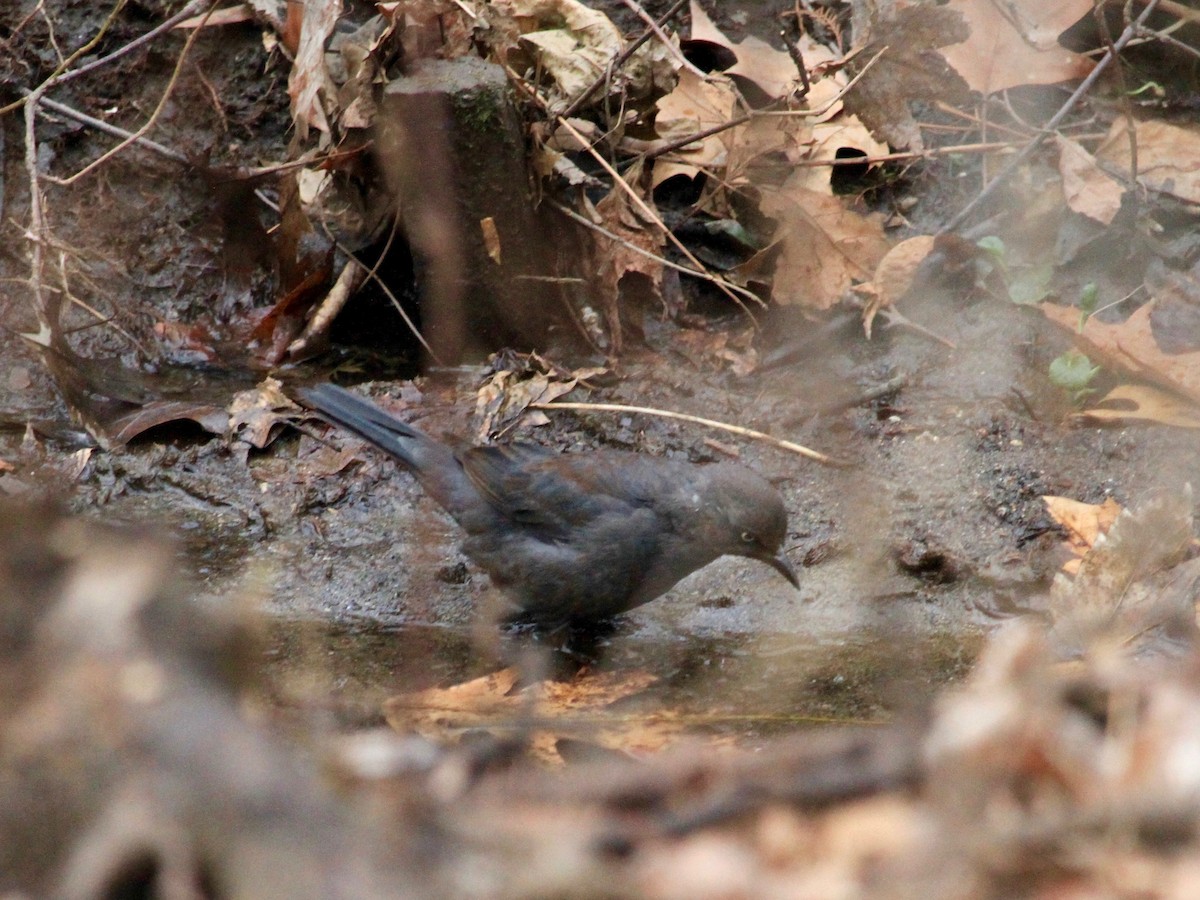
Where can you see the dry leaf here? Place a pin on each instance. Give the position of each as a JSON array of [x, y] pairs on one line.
[[491, 238], [1121, 597], [1149, 404], [574, 46], [695, 105], [771, 70], [908, 68], [1084, 522], [1016, 43], [1131, 345], [894, 276], [309, 84], [825, 246], [577, 709], [845, 132], [506, 396], [1168, 156], [256, 415], [1087, 188], [733, 349], [614, 260]]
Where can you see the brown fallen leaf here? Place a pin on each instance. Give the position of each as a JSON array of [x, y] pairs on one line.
[[904, 42], [825, 246], [1016, 43], [573, 45], [506, 396], [735, 350], [1168, 156], [1088, 189], [1084, 522], [893, 276], [575, 710], [312, 91], [614, 261], [1123, 599], [491, 238], [1130, 345], [696, 104], [256, 416], [1146, 403]]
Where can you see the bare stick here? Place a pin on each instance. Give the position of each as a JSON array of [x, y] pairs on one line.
[[666, 41], [57, 75], [100, 125], [654, 217], [687, 270], [37, 228], [1048, 129], [412, 326], [742, 120], [104, 157], [352, 276], [711, 423], [194, 7], [619, 60]]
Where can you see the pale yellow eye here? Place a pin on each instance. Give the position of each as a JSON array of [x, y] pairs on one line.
[[748, 537]]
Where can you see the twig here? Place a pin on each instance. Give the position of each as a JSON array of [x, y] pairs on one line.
[[897, 319], [194, 7], [37, 226], [742, 120], [698, 420], [58, 75], [650, 214], [984, 147], [1167, 39], [100, 125], [1181, 11], [352, 276], [687, 270], [175, 156], [149, 123], [371, 274], [1086, 85], [666, 41], [619, 60]]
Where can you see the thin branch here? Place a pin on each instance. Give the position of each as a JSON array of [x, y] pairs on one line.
[[619, 60], [191, 9], [650, 214], [104, 157], [57, 76], [107, 128], [698, 420], [742, 120], [662, 37], [687, 270], [1085, 86]]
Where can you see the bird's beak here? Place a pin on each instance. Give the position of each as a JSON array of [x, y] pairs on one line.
[[783, 566]]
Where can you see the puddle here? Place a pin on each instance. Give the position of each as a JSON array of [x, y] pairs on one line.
[[741, 685]]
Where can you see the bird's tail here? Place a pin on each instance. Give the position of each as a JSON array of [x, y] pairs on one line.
[[369, 421]]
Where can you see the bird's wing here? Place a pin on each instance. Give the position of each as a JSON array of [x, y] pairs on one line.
[[535, 487]]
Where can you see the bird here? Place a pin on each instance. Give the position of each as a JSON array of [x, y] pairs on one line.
[[574, 539]]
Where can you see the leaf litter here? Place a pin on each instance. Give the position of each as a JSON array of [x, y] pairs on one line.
[[1032, 756]]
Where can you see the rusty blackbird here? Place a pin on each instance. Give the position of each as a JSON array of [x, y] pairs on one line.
[[578, 538]]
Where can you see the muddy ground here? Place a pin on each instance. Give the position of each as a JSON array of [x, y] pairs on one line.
[[934, 532]]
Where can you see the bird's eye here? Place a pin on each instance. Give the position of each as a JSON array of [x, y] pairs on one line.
[[748, 537]]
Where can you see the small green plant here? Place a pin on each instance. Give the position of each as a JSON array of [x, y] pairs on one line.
[[1027, 284], [1073, 371]]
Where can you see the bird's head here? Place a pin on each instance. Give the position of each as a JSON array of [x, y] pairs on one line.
[[747, 518]]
